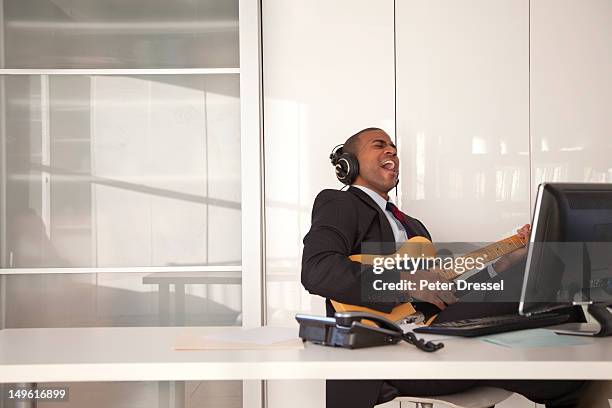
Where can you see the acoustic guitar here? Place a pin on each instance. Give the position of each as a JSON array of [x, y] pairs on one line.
[[422, 247]]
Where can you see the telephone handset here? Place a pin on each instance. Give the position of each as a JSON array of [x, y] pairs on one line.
[[346, 329], [347, 318]]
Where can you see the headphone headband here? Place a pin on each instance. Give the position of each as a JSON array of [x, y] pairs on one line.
[[335, 153]]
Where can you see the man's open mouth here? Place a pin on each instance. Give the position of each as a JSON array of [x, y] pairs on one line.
[[390, 165]]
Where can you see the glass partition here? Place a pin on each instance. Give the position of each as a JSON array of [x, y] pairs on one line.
[[126, 299], [120, 34], [112, 173], [122, 171]]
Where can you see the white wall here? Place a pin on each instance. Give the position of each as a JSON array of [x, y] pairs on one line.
[[485, 111], [571, 90], [463, 115], [493, 96], [328, 72]]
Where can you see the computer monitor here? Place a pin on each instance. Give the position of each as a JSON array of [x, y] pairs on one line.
[[569, 260]]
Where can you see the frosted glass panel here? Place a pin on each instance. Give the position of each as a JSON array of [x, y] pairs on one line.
[[119, 171], [121, 33], [123, 299]]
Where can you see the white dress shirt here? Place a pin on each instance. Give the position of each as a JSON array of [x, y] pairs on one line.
[[399, 232]]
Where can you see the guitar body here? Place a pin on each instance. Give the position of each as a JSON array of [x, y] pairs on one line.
[[398, 313], [417, 247], [422, 247]]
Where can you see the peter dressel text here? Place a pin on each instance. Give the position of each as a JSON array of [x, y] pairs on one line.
[[423, 284]]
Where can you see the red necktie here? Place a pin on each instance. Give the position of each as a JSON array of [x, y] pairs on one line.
[[401, 217]]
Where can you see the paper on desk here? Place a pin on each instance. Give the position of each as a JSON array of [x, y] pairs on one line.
[[242, 339], [533, 338]]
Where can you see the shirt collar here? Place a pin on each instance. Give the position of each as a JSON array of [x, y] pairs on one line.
[[378, 199]]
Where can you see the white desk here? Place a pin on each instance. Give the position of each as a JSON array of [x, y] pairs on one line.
[[146, 354]]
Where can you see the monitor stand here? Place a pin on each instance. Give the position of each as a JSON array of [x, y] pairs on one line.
[[601, 312]]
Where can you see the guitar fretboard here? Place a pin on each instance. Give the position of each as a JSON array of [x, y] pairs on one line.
[[497, 249], [490, 252]]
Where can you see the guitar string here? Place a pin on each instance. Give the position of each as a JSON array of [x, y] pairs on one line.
[[515, 242]]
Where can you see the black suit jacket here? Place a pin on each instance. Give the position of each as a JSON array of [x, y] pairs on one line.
[[341, 222]]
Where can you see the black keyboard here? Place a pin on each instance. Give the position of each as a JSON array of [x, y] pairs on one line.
[[491, 325]]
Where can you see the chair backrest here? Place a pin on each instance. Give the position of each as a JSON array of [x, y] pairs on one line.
[[477, 397]]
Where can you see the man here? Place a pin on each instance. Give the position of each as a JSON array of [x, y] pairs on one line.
[[344, 220]]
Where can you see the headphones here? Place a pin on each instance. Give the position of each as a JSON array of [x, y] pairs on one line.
[[346, 165]]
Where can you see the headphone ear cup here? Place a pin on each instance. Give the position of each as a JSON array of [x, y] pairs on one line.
[[341, 168], [347, 168]]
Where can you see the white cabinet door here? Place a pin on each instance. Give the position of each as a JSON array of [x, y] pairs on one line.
[[328, 72], [463, 115], [571, 90]]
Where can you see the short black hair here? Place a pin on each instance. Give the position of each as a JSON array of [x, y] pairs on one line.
[[351, 144]]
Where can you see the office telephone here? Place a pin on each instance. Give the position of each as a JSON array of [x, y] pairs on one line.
[[347, 329]]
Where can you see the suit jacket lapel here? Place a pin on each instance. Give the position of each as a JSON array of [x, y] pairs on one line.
[[387, 232]]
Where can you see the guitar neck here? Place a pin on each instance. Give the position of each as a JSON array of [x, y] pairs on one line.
[[419, 247], [496, 249]]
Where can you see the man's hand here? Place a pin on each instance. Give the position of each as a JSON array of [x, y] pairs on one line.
[[524, 232], [507, 261], [440, 298]]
